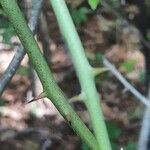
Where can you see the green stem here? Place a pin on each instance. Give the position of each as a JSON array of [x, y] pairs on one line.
[[84, 71], [50, 87]]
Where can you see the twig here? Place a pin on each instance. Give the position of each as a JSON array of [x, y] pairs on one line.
[[20, 52], [106, 5], [126, 84], [145, 129]]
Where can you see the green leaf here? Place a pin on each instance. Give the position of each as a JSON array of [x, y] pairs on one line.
[[7, 34], [84, 147], [148, 35], [142, 76], [1, 12], [79, 15], [136, 114], [114, 145], [2, 102], [130, 146], [6, 29], [93, 3], [128, 65], [113, 130], [99, 58]]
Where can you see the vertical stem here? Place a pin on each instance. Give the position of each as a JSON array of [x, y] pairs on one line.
[[84, 71], [50, 87]]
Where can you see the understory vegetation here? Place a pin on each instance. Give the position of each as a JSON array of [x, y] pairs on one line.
[[74, 74]]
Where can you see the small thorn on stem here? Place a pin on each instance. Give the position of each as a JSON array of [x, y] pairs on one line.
[[42, 95]]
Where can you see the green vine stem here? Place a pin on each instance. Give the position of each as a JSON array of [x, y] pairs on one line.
[[84, 72], [50, 87]]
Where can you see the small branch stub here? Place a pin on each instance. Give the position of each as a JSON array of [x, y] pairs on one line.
[[42, 95]]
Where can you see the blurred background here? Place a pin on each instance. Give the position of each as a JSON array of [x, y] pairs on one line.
[[117, 29]]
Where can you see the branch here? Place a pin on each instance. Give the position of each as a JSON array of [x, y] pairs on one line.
[[109, 7], [20, 52], [126, 84], [53, 92], [145, 129], [84, 72]]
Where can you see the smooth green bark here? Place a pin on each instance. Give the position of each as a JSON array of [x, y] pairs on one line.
[[84, 71], [50, 87]]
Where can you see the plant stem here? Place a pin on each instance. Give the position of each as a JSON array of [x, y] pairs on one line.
[[50, 87], [84, 71], [126, 84], [143, 142], [20, 52]]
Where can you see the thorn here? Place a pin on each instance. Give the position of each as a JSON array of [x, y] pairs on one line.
[[42, 95], [100, 70], [80, 97]]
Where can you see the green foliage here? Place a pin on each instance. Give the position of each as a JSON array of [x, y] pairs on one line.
[[115, 3], [136, 114], [7, 34], [2, 102], [114, 133], [142, 76], [6, 30], [84, 147], [128, 65], [79, 15], [113, 130], [2, 12], [130, 146], [95, 59], [50, 87], [98, 58], [148, 35], [102, 78], [93, 3], [114, 146]]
